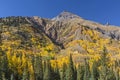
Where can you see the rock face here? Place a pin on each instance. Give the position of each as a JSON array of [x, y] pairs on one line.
[[64, 16], [67, 27], [67, 24], [113, 34]]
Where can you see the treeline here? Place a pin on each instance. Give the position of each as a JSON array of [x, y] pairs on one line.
[[13, 21], [36, 67]]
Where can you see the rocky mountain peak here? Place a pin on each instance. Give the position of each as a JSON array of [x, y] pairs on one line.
[[63, 16]]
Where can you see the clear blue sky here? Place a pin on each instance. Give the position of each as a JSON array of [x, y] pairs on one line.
[[101, 11]]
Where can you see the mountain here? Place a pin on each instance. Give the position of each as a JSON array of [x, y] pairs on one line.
[[76, 34], [64, 33], [64, 47]]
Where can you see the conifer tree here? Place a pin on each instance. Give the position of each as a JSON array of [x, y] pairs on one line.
[[103, 61], [94, 71], [3, 77], [86, 71], [55, 73], [6, 67], [70, 70], [75, 73], [63, 73], [11, 77], [47, 73], [80, 72], [25, 74], [1, 54], [38, 68], [0, 35], [116, 70]]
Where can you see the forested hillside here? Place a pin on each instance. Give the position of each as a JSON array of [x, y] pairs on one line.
[[66, 47]]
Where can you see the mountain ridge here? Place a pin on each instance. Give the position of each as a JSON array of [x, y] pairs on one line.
[[66, 28], [35, 48], [64, 16]]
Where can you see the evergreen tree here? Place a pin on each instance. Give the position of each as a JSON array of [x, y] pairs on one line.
[[4, 69], [70, 70], [86, 71], [3, 77], [103, 61], [63, 73], [0, 35], [25, 74], [11, 77], [111, 74], [116, 70], [80, 72], [47, 73], [55, 73], [75, 73], [38, 68], [1, 54], [94, 71]]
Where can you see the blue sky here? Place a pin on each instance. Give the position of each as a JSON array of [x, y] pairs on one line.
[[101, 11]]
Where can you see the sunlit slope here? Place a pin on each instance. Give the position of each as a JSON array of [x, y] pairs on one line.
[[20, 36]]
